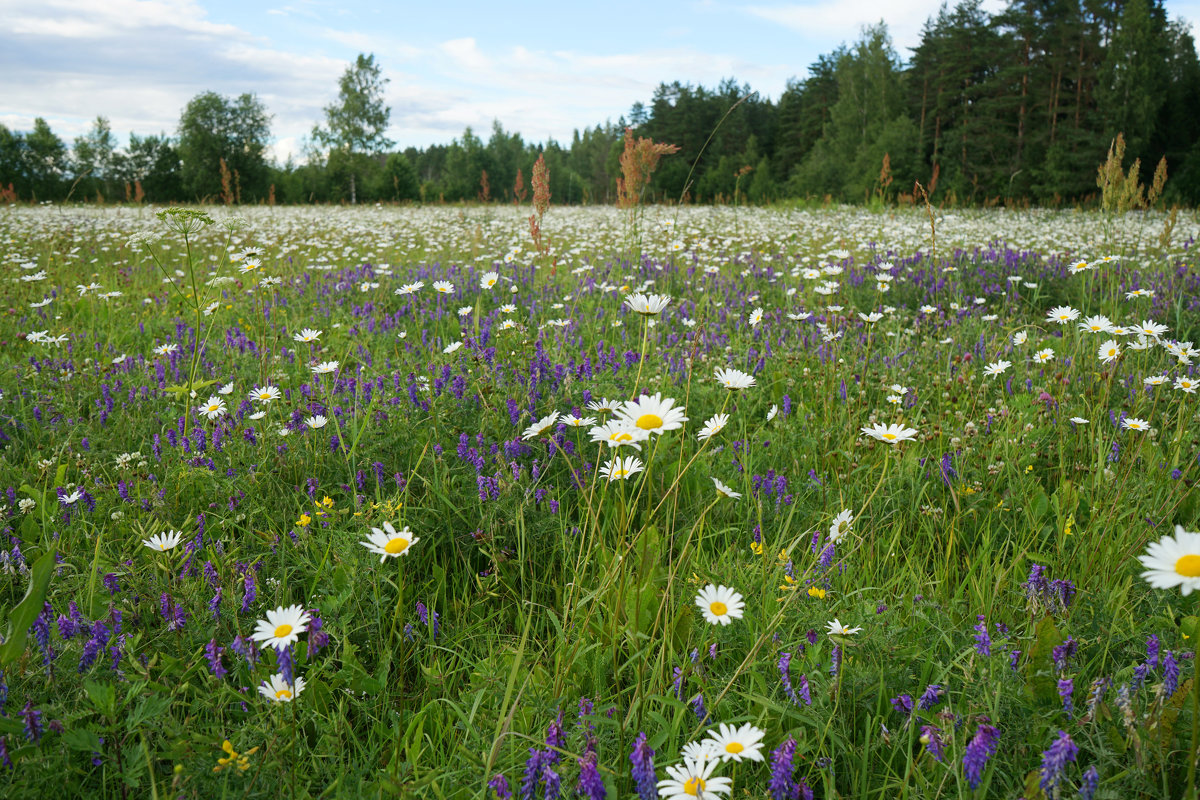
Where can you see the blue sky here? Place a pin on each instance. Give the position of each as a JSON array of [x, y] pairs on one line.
[[541, 68]]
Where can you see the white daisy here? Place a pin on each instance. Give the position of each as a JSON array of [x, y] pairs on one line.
[[622, 468], [996, 368], [279, 691], [215, 407], [1135, 424], [265, 394], [647, 305], [836, 628], [282, 627], [163, 541], [653, 414], [720, 605], [388, 542], [325, 367], [541, 426], [617, 433], [693, 780], [734, 379], [714, 425], [307, 335], [1173, 561], [892, 434], [841, 525], [735, 744], [316, 421], [724, 490]]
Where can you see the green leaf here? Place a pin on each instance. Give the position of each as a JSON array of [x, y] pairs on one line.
[[82, 739], [1187, 626], [103, 697], [1039, 669], [28, 609]]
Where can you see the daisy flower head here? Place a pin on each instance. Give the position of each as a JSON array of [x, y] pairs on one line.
[[720, 605], [1109, 351], [724, 490], [618, 433], [772, 412], [1080, 266], [712, 426], [307, 335], [1155, 380], [163, 542], [1079, 421], [1136, 293], [1173, 561], [1151, 329], [215, 407], [410, 288], [928, 309], [578, 422], [892, 434], [1044, 356], [227, 389], [166, 349], [488, 280], [734, 379], [735, 744], [647, 305], [387, 542], [541, 426], [1186, 385], [1096, 324], [316, 421], [282, 627], [452, 347], [279, 690], [620, 469], [841, 525], [325, 367], [693, 779], [604, 406], [836, 628], [249, 264], [265, 394], [1135, 424], [1019, 338], [653, 414], [996, 368], [443, 287], [699, 751], [756, 317], [1062, 315]]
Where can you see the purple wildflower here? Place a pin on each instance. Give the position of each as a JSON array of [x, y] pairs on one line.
[[317, 637], [698, 707], [781, 785], [1091, 782], [212, 652], [33, 722], [903, 704], [1170, 674], [1054, 761], [1066, 690], [644, 777], [499, 785], [930, 697], [983, 642], [932, 738], [590, 784], [981, 747]]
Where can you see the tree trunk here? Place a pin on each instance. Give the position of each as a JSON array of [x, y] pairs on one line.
[[353, 196]]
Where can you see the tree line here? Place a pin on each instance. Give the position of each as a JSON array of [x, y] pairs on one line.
[[1015, 106]]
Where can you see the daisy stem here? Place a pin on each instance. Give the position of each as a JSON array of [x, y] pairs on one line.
[[1178, 440], [641, 358], [1194, 753], [886, 458]]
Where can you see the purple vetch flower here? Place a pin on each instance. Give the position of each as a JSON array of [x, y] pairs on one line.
[[781, 785], [835, 660], [590, 784], [4, 759], [1152, 650], [3, 693], [534, 765], [556, 737], [318, 639], [930, 697], [1066, 691], [981, 747], [1014, 659], [931, 737], [1062, 654], [33, 722], [212, 652], [699, 709], [1170, 674], [1054, 761], [983, 642], [287, 665], [110, 583], [245, 648], [644, 777], [677, 683], [551, 783], [499, 785], [249, 593], [97, 642], [1091, 782], [903, 704]]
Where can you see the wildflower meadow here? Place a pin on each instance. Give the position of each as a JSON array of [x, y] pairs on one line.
[[599, 502]]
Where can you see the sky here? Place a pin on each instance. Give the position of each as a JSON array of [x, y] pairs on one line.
[[543, 69]]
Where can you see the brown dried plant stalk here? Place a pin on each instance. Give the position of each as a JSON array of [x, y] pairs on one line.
[[541, 203]]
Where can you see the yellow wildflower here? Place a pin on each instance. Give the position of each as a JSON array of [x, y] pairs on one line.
[[304, 521], [814, 591]]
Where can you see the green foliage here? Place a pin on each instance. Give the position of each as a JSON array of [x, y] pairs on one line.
[[213, 128]]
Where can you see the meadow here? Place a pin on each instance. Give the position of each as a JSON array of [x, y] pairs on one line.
[[695, 502]]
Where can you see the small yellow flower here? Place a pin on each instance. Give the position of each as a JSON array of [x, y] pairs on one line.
[[789, 584], [783, 557], [1029, 469], [756, 548], [1070, 524], [327, 501], [816, 592], [304, 521]]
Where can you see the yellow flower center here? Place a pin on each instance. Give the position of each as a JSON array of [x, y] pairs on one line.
[[889, 436], [396, 546], [718, 609], [649, 422], [620, 473], [282, 631], [694, 786], [283, 694], [1188, 566], [734, 747], [622, 437]]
